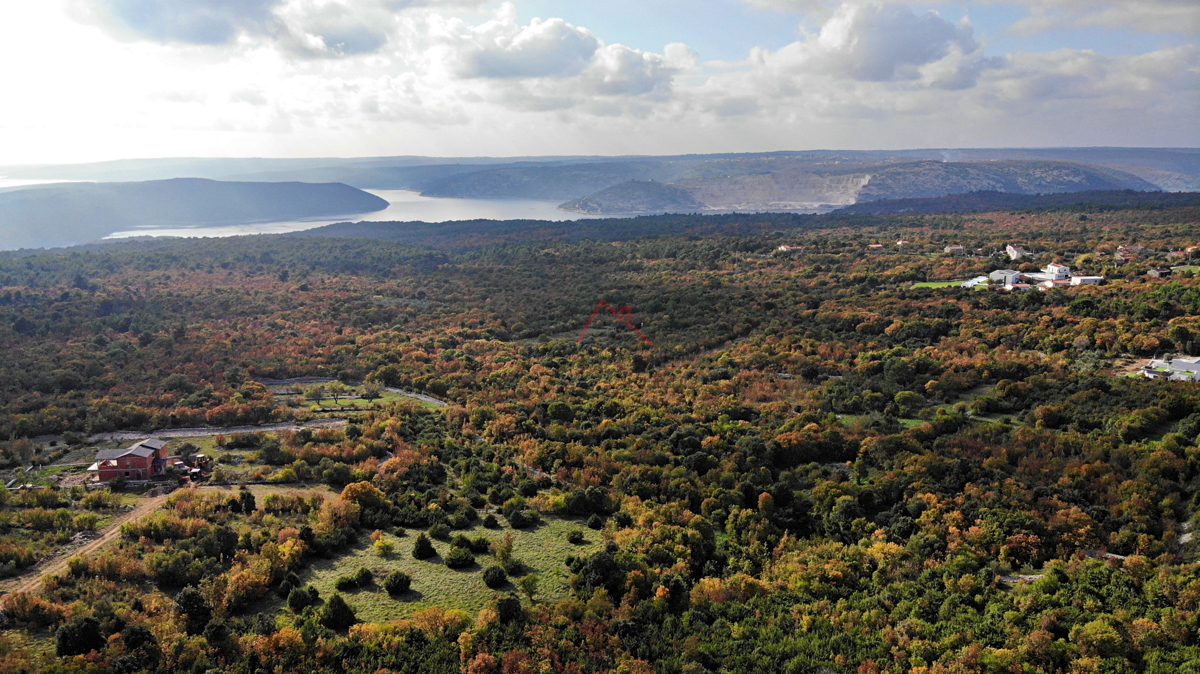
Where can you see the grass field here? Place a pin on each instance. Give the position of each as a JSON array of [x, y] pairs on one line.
[[543, 549]]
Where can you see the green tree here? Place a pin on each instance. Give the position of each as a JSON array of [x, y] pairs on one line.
[[79, 637], [336, 390], [197, 609], [336, 614], [423, 548]]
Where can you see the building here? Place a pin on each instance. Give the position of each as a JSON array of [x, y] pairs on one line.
[[1086, 280], [1052, 272], [1161, 272], [1005, 277], [875, 246], [977, 281], [1175, 369], [1015, 252], [956, 251], [901, 243], [790, 249], [1127, 253], [141, 461]]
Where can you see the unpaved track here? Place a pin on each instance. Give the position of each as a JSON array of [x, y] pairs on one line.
[[31, 581]]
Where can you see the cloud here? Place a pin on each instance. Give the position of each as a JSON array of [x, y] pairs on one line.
[[202, 22], [881, 43], [502, 48], [311, 28], [1152, 16]]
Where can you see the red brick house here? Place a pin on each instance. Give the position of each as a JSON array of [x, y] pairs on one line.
[[142, 461]]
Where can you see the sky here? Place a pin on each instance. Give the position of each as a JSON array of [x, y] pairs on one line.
[[92, 80]]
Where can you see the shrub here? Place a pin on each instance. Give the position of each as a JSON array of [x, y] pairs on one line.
[[79, 637], [461, 541], [397, 582], [480, 545], [575, 537], [439, 531], [459, 558], [594, 522], [494, 577], [337, 614], [345, 583], [491, 522], [364, 577], [298, 600], [384, 547], [423, 549]]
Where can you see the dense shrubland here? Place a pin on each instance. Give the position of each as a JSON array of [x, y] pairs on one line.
[[815, 467]]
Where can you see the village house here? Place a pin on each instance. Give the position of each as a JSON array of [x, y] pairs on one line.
[[1005, 277], [141, 461], [1161, 272], [1051, 272], [790, 249], [1015, 252], [954, 250], [1175, 369], [1127, 253], [1086, 280], [875, 246]]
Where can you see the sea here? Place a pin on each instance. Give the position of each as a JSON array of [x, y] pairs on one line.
[[403, 206]]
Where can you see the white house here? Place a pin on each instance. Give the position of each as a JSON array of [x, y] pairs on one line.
[[1005, 276], [1052, 272], [1175, 369], [954, 250], [1015, 252], [1086, 280], [978, 280]]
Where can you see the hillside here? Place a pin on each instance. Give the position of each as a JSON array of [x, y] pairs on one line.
[[637, 196], [983, 202], [67, 214]]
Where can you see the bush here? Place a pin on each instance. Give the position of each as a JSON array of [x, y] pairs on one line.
[[364, 577], [337, 614], [494, 577], [298, 600], [594, 522], [575, 537], [397, 582], [440, 531], [459, 558], [384, 547], [79, 637], [480, 545], [345, 584], [423, 549], [491, 522]]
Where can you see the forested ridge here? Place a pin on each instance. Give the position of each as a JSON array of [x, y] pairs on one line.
[[815, 467]]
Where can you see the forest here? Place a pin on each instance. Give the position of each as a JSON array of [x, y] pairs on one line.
[[816, 466]]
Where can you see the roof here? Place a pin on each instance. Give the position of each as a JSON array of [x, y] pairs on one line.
[[143, 449]]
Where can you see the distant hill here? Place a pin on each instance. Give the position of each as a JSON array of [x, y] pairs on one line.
[[989, 201], [551, 182], [66, 214], [637, 196]]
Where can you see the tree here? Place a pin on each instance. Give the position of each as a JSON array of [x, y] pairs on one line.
[[336, 390], [459, 558], [79, 637], [372, 390], [422, 548], [529, 585], [397, 582], [315, 393], [494, 577], [298, 600], [337, 614], [197, 609]]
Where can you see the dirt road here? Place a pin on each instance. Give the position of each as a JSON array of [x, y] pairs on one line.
[[31, 580]]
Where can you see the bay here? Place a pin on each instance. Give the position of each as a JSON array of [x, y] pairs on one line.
[[403, 206]]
